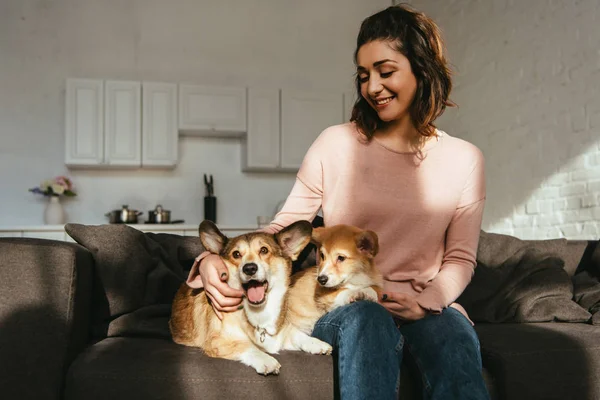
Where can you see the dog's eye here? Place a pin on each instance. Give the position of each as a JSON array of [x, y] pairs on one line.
[[236, 254], [341, 258], [264, 250], [321, 255]]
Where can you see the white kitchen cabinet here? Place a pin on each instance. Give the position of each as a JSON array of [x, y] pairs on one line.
[[170, 232], [159, 125], [84, 122], [304, 115], [57, 232], [111, 124], [261, 145], [212, 110], [282, 125], [51, 235], [11, 234], [122, 118]]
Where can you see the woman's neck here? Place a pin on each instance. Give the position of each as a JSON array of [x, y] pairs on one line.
[[401, 136]]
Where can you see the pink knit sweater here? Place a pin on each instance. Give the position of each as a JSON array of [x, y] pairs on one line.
[[426, 211]]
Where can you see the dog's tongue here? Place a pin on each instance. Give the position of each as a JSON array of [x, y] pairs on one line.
[[256, 291]]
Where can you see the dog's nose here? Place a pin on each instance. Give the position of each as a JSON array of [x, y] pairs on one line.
[[250, 269], [322, 279]]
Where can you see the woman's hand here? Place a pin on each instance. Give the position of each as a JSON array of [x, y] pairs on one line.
[[403, 306], [214, 275]]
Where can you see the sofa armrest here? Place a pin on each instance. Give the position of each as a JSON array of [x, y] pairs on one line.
[[45, 296]]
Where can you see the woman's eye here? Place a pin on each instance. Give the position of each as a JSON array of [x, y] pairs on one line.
[[236, 254], [363, 79], [341, 258], [264, 250], [386, 74]]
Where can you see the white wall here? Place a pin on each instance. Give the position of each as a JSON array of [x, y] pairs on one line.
[[277, 43], [528, 84]]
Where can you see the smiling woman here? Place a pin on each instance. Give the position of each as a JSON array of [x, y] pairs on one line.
[[402, 77], [422, 191]]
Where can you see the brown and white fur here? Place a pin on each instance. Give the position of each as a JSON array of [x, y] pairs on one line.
[[345, 273], [260, 264]]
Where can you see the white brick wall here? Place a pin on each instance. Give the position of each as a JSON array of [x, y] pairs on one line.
[[528, 85]]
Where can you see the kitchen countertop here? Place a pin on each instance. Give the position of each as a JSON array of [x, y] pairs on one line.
[[145, 227]]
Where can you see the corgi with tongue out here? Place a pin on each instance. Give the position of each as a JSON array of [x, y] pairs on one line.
[[260, 264]]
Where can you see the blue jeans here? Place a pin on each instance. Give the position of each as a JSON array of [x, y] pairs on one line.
[[368, 350]]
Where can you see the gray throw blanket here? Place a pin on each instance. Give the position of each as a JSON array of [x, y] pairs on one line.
[[517, 281]]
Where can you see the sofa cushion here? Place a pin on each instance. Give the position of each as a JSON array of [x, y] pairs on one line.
[[542, 360], [136, 277], [44, 314], [586, 282], [517, 281], [137, 368]]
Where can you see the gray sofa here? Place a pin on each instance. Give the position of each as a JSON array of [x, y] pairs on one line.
[[89, 321]]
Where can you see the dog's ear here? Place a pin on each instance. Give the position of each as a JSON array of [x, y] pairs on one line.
[[367, 242], [317, 235], [294, 238], [211, 237]]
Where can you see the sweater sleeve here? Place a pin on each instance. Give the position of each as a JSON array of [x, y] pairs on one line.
[[462, 239], [306, 197]]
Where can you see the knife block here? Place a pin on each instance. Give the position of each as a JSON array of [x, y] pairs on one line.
[[210, 208]]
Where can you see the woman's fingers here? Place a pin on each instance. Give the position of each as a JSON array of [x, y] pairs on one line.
[[221, 300], [214, 306]]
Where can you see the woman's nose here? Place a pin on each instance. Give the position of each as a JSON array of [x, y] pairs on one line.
[[375, 87]]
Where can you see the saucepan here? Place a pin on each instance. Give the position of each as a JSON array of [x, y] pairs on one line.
[[159, 216], [123, 216]]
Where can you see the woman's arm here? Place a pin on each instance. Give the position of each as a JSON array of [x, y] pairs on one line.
[[459, 260], [302, 203], [306, 197], [462, 238]]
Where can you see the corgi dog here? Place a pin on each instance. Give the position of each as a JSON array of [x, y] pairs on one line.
[[345, 273], [260, 264]]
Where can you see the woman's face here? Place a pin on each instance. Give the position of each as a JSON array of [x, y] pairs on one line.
[[386, 80]]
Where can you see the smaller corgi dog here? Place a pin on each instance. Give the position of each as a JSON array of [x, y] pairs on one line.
[[345, 273], [260, 264]]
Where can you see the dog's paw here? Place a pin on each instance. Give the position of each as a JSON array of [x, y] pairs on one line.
[[316, 346], [357, 296], [364, 294], [264, 364]]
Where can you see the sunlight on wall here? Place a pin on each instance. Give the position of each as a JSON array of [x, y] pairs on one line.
[[566, 205]]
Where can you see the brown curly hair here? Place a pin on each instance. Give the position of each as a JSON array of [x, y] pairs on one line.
[[419, 39]]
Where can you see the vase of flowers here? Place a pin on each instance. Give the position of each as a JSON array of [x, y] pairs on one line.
[[54, 189]]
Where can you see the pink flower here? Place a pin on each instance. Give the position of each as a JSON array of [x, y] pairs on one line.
[[64, 182]]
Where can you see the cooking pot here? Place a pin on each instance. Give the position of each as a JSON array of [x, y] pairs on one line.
[[159, 216], [123, 216]]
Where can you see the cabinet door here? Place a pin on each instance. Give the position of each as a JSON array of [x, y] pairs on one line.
[[84, 122], [159, 124], [212, 110], [122, 115], [260, 147], [304, 115]]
